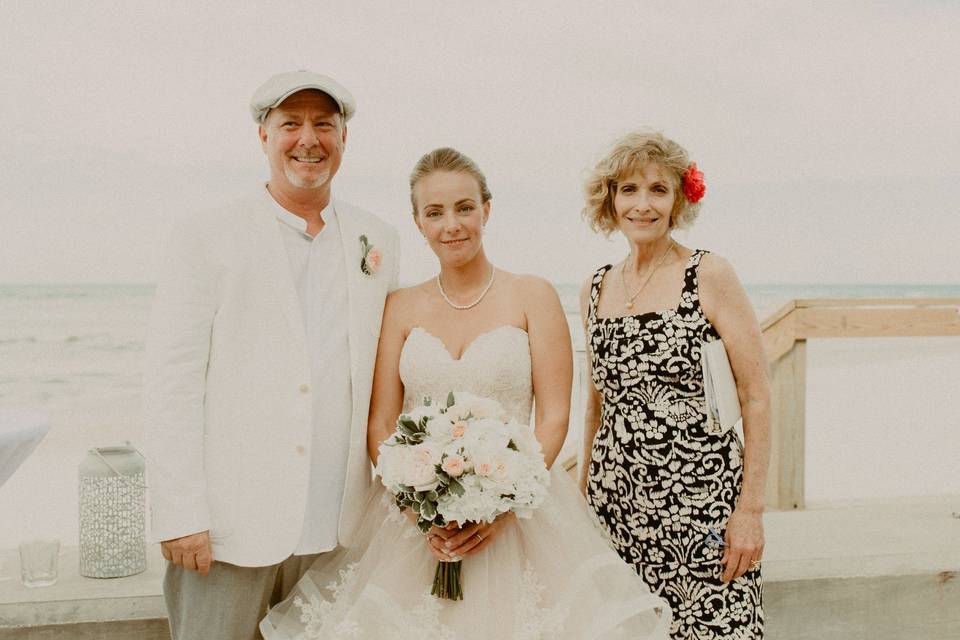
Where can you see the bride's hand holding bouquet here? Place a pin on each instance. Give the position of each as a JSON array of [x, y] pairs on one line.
[[463, 469], [453, 543]]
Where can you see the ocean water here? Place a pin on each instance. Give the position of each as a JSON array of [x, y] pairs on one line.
[[79, 347], [75, 352]]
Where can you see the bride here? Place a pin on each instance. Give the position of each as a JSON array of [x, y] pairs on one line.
[[479, 329]]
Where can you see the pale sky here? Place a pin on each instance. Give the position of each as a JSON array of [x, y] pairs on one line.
[[829, 132]]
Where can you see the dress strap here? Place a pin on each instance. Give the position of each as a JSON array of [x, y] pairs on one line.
[[595, 290], [690, 299]]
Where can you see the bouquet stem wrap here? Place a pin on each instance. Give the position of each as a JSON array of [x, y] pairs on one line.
[[446, 581]]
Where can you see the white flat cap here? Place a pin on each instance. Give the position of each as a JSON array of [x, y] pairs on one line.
[[283, 85]]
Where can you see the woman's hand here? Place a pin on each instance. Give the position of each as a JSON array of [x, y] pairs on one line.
[[455, 543], [744, 543], [435, 537]]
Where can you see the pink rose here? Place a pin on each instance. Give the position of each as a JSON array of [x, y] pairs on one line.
[[373, 260], [483, 468], [459, 428], [454, 466]]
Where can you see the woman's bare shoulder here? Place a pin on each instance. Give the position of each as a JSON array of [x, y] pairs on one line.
[[402, 303], [529, 288]]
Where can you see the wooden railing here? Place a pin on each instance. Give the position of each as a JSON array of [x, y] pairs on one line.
[[785, 335]]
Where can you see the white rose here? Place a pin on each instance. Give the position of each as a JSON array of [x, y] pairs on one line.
[[468, 403], [392, 465], [421, 467], [440, 428], [457, 411]]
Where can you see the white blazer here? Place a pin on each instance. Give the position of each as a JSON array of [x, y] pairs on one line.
[[227, 407]]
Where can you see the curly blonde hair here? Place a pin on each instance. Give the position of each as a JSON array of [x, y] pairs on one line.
[[630, 154]]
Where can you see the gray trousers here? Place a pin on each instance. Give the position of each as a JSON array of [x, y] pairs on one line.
[[229, 602]]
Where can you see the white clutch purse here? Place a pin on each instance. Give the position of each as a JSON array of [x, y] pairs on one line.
[[719, 388]]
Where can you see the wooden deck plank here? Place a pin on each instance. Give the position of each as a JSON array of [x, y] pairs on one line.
[[876, 322]]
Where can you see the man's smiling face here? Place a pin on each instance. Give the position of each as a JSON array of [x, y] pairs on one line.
[[303, 139]]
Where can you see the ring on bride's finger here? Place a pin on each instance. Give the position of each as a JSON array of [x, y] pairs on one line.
[[480, 536]]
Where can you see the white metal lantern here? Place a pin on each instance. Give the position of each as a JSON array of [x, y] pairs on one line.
[[112, 533]]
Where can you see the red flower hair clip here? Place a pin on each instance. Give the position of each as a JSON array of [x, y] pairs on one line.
[[693, 185]]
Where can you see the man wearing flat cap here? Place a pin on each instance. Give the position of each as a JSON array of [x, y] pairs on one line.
[[259, 367]]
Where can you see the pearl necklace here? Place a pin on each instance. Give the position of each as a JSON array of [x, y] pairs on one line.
[[462, 307], [623, 278]]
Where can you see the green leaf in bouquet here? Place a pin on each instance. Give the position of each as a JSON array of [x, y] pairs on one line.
[[428, 510], [455, 487], [424, 525], [450, 400]]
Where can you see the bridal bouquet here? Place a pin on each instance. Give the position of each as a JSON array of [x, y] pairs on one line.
[[462, 461]]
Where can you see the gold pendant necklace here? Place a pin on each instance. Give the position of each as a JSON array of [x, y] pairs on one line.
[[623, 277]]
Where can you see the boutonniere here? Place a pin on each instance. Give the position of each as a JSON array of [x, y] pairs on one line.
[[370, 257]]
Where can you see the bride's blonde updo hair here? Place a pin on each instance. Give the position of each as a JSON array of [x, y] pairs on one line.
[[630, 154], [451, 160]]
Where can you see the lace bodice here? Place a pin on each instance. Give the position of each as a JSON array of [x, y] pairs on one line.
[[495, 365]]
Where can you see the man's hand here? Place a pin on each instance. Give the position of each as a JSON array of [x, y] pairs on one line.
[[190, 552]]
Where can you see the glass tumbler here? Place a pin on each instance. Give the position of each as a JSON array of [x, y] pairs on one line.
[[38, 562]]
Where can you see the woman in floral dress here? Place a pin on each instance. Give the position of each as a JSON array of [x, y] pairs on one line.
[[680, 500]]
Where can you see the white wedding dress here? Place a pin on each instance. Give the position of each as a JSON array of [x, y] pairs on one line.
[[551, 576]]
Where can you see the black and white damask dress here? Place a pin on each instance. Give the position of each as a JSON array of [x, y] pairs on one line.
[[659, 478]]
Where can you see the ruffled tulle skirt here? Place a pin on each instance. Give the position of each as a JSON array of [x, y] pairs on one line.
[[551, 576]]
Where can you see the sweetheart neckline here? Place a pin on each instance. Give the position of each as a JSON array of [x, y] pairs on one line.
[[469, 344]]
